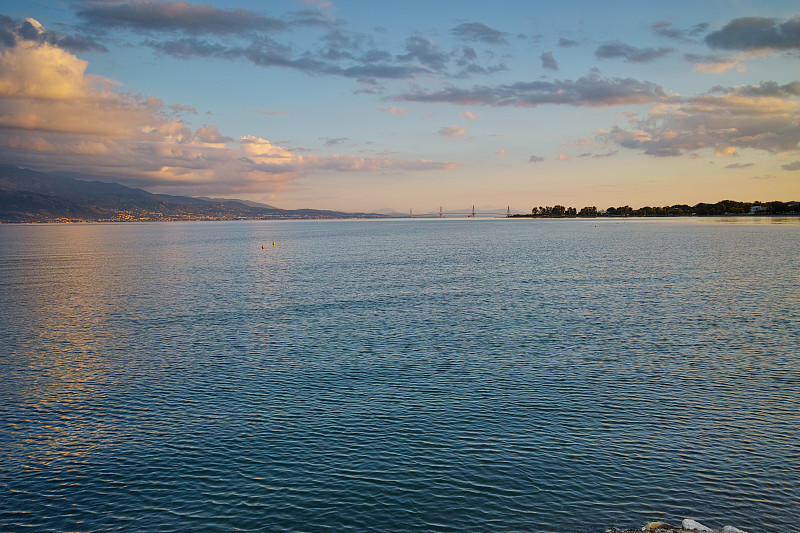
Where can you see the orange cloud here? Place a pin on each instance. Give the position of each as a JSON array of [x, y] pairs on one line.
[[725, 151], [762, 117], [55, 116]]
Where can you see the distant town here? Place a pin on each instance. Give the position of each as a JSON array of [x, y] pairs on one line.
[[155, 216], [27, 196]]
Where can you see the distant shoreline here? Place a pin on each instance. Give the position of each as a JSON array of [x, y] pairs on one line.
[[27, 196], [386, 218], [721, 208], [724, 215]]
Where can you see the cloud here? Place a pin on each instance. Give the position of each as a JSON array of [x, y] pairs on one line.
[[362, 72], [629, 53], [725, 151], [467, 60], [339, 44], [762, 117], [271, 113], [194, 19], [469, 115], [189, 31], [665, 29], [177, 108], [210, 135], [567, 43], [319, 4], [765, 88], [394, 110], [535, 159], [477, 32], [333, 142], [715, 64], [697, 29], [425, 52], [764, 177], [598, 156], [266, 52], [591, 91], [186, 31], [312, 17], [55, 116], [757, 33], [30, 29], [344, 163], [548, 62], [794, 165], [453, 131], [739, 165], [30, 87], [500, 153]]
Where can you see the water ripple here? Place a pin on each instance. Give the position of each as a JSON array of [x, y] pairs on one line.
[[399, 376]]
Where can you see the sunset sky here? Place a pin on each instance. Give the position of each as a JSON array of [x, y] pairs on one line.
[[360, 106]]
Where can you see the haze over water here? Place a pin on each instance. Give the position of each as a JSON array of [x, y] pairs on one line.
[[404, 375]]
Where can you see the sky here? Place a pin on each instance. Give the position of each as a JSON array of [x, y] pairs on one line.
[[365, 106]]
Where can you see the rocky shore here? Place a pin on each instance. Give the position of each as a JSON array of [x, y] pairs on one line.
[[687, 526]]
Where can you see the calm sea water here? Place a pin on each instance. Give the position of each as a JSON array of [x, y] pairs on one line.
[[418, 375]]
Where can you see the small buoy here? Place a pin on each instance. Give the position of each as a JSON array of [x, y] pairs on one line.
[[273, 243], [262, 246]]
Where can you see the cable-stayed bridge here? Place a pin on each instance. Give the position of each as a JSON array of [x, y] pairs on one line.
[[462, 212]]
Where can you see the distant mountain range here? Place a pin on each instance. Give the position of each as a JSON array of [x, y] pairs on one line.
[[30, 196], [227, 200]]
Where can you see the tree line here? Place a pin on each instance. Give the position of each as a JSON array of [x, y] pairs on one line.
[[725, 207]]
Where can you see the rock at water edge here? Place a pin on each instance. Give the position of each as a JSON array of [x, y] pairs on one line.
[[652, 526], [688, 523]]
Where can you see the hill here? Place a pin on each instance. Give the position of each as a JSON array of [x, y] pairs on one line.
[[30, 196]]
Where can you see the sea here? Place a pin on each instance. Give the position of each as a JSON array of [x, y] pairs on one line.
[[419, 375]]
